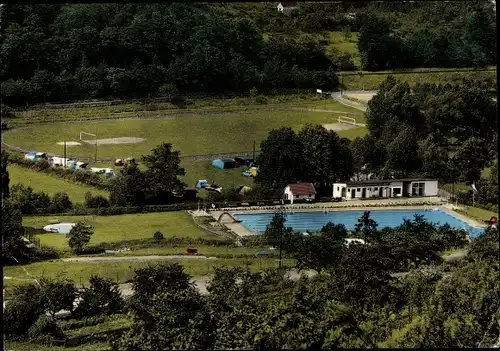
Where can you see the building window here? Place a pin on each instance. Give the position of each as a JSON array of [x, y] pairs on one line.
[[310, 195], [358, 189], [338, 188], [418, 189], [375, 189]]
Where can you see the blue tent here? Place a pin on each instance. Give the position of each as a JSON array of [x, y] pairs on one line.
[[200, 184], [224, 163]]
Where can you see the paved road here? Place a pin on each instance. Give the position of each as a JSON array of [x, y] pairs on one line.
[[338, 97]]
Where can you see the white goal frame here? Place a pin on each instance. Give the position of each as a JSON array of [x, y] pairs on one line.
[[347, 120], [85, 133]]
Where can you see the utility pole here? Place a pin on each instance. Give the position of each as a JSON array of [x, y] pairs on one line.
[[64, 160], [282, 212], [253, 151]]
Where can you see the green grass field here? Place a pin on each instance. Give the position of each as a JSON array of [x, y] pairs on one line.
[[337, 40], [196, 135], [372, 80], [477, 213], [122, 272], [120, 228], [196, 170], [50, 184]]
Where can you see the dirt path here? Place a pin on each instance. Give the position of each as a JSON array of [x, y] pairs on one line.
[[338, 96]]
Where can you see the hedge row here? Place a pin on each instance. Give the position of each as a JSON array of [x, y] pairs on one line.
[[77, 176], [79, 210]]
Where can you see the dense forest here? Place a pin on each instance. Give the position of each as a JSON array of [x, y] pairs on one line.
[[64, 52]]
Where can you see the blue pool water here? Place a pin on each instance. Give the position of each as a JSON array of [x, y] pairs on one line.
[[313, 221]]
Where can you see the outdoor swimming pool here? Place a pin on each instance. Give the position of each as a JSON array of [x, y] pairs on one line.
[[301, 221]]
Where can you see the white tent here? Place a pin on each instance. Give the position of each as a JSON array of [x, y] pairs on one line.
[[59, 228]]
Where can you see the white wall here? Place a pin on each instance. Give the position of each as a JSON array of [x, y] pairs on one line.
[[340, 186], [431, 188]]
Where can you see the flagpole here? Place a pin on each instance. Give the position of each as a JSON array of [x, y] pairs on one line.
[[473, 193]]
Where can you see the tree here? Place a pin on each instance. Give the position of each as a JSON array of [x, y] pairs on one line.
[[13, 249], [326, 158], [79, 236], [277, 235], [321, 251], [471, 158], [435, 161], [27, 200], [162, 175], [171, 315], [5, 175], [366, 226], [376, 44], [101, 297], [402, 153], [346, 33], [57, 295], [61, 203], [280, 159], [129, 187], [22, 311]]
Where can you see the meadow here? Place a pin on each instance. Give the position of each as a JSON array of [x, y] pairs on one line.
[[120, 228], [194, 135], [371, 80], [50, 184], [122, 272]]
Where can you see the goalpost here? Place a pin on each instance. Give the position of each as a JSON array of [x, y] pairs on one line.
[[85, 133], [82, 134], [348, 120]]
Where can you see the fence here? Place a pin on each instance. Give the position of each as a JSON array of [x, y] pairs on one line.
[[151, 100]]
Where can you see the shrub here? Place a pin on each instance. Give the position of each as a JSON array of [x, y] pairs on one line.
[[61, 203], [79, 236], [95, 201], [22, 311], [102, 297], [158, 236], [45, 331]]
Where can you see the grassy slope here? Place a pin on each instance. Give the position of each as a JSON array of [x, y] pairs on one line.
[[119, 228], [122, 272], [50, 184], [191, 135], [477, 213]]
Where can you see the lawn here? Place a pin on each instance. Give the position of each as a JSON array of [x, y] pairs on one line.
[[196, 170], [337, 40], [477, 213], [195, 135], [120, 228], [372, 80], [122, 272], [50, 184]]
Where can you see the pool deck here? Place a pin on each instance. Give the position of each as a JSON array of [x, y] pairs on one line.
[[355, 205]]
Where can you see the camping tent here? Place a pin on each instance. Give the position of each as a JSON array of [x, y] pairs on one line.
[[243, 160], [31, 156], [251, 172], [225, 163], [202, 183], [242, 190], [59, 228]]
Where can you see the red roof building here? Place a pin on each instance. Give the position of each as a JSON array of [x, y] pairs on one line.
[[300, 191]]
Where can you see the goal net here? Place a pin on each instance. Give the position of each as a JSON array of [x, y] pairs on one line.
[[347, 120], [88, 137]]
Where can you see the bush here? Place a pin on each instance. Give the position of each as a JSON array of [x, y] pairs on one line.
[[22, 311], [74, 175], [79, 236], [95, 201], [158, 236], [45, 331], [61, 203], [102, 297], [43, 253]]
